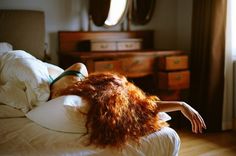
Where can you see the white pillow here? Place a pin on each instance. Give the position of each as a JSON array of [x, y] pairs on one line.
[[5, 47], [61, 114], [66, 114], [164, 116], [20, 68]]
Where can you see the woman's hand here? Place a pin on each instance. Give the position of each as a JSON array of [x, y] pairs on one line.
[[194, 117], [191, 114]]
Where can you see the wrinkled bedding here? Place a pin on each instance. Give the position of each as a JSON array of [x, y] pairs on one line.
[[29, 81], [20, 136], [48, 130]]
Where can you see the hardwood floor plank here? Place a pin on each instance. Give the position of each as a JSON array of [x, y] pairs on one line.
[[207, 144]]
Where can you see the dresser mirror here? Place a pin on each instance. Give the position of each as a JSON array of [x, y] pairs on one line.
[[141, 12], [108, 12], [112, 12]]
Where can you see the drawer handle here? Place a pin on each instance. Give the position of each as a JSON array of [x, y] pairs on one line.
[[109, 66], [136, 62], [132, 65], [104, 46], [177, 61], [178, 77], [128, 45]]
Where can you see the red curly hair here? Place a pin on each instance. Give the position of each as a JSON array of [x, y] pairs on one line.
[[119, 110]]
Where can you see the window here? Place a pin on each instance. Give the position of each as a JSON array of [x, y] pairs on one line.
[[232, 25]]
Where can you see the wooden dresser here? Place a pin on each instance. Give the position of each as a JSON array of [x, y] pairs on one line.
[[172, 77], [169, 69]]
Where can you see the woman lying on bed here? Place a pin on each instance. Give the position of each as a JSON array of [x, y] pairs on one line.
[[118, 110]]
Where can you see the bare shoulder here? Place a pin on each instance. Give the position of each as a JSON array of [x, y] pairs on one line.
[[67, 80], [79, 67]]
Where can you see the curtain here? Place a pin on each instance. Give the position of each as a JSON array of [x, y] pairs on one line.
[[227, 121], [207, 60]]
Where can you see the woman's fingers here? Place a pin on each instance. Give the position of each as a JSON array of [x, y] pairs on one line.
[[195, 118], [199, 128], [200, 124], [192, 124], [196, 125]]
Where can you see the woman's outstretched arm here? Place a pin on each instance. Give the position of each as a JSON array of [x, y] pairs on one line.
[[190, 113]]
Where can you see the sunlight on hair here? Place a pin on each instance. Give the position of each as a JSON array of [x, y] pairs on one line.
[[116, 11]]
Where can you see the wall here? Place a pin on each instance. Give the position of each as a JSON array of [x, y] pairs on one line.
[[171, 20], [184, 23]]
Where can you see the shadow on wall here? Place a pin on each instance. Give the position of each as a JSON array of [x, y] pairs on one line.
[[73, 16], [75, 13]]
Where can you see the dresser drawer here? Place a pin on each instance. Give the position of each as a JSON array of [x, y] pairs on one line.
[[137, 66], [103, 46], [173, 63], [173, 80], [101, 66], [129, 45]]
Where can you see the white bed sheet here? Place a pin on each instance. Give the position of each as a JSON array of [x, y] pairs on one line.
[[20, 136]]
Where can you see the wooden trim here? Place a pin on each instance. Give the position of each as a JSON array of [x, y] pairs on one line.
[[102, 55], [79, 40]]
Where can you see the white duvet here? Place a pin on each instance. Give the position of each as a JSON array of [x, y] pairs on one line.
[[26, 77]]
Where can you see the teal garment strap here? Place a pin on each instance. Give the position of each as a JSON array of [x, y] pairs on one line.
[[68, 72], [50, 79]]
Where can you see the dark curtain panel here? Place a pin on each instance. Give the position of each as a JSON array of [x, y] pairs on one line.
[[207, 60]]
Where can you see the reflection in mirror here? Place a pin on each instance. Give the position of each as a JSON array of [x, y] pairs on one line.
[[141, 12], [98, 11], [108, 12], [116, 12]]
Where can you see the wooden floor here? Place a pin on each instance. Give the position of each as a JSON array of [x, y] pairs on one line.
[[207, 144]]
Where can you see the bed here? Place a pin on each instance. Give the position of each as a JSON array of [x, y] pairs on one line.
[[22, 136]]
